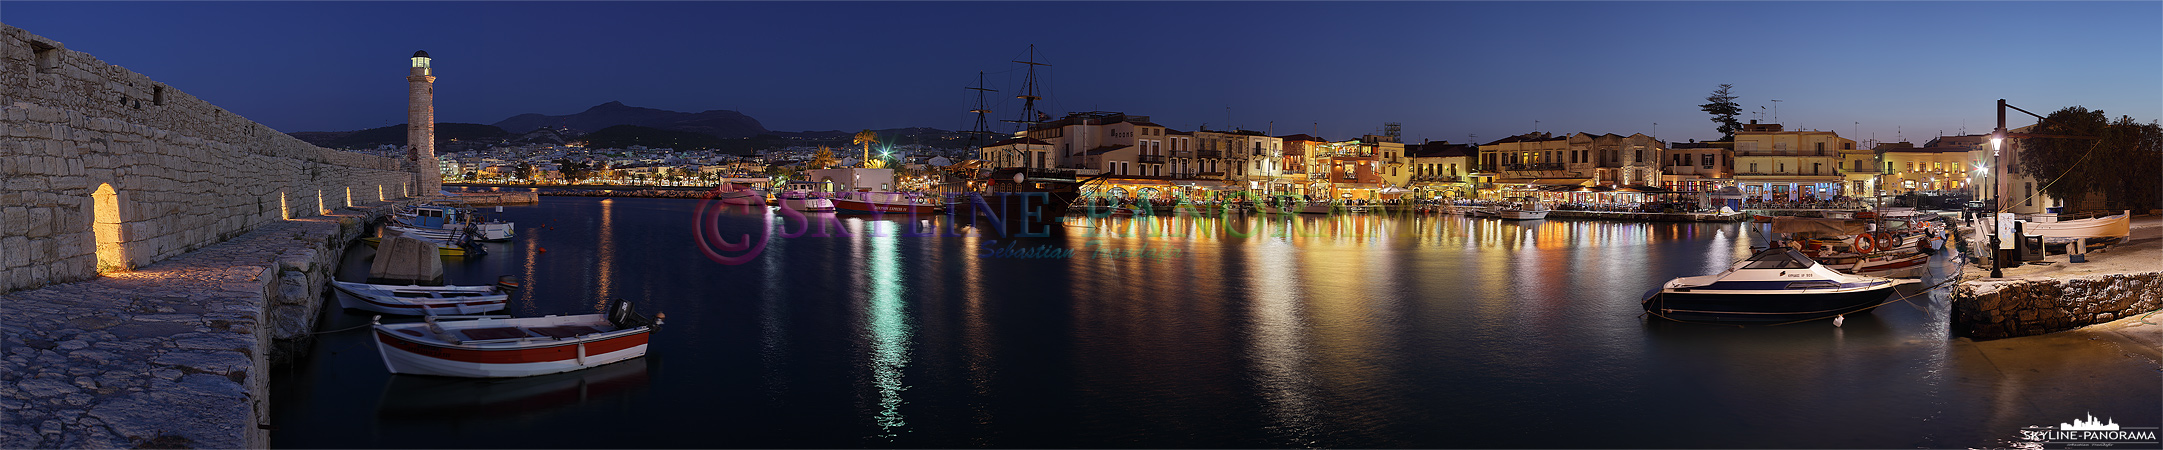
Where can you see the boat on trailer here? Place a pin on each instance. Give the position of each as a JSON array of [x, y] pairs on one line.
[[1778, 284], [492, 347], [421, 300]]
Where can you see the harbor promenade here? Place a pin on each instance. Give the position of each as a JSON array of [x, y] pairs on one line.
[[2056, 294]]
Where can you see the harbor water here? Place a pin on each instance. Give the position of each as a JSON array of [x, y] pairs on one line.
[[1181, 331]]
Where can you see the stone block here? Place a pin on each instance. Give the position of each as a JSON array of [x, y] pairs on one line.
[[14, 220], [40, 222]]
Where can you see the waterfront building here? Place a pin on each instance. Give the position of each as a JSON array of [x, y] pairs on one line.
[[1441, 169], [1524, 162], [1698, 166], [1778, 165], [1928, 169], [1861, 170], [2017, 193], [1615, 160], [1294, 173], [1977, 147], [1350, 169], [1017, 152]]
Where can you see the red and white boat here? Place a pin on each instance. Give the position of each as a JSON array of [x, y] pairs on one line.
[[504, 348], [883, 203], [420, 300]]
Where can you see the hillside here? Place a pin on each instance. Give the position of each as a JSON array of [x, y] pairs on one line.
[[447, 135], [716, 123]]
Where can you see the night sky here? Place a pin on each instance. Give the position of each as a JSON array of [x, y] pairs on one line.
[[1446, 70]]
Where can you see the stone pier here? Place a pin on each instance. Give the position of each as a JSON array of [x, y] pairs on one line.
[[155, 250], [2122, 281]]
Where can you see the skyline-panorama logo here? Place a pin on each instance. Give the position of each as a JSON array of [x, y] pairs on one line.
[[2088, 432]]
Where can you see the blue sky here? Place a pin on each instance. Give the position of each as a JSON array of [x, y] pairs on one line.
[[1446, 70]]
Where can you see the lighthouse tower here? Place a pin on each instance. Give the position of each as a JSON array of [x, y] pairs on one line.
[[421, 125]]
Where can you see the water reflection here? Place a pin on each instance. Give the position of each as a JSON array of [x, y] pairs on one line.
[[1279, 344], [889, 330], [432, 399], [605, 256]]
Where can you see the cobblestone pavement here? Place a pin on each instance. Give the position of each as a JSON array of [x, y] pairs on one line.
[[173, 354]]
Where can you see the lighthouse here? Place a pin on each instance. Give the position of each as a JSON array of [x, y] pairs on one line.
[[421, 124]]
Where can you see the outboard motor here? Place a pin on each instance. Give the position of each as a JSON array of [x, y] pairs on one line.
[[624, 317]]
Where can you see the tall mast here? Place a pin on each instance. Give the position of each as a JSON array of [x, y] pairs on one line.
[[977, 135], [1029, 95]]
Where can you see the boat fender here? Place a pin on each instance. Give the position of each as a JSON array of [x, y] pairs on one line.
[[1837, 320]]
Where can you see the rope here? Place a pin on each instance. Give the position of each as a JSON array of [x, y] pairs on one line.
[[2061, 176], [341, 330]]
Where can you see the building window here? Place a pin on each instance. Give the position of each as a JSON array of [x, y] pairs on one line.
[[1753, 167]]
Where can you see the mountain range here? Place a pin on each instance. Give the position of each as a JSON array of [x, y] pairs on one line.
[[719, 123], [730, 130]]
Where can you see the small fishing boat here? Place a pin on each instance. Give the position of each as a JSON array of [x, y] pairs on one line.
[[491, 347], [1778, 284], [451, 218], [421, 300], [803, 201]]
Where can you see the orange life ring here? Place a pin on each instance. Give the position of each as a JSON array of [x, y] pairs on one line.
[[1865, 243]]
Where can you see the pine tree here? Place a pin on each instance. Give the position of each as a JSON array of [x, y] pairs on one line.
[[1724, 110]]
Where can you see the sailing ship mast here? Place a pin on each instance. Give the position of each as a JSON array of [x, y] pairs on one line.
[[1029, 115]]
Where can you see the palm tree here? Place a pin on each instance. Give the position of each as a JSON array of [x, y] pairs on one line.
[[866, 138], [823, 159]]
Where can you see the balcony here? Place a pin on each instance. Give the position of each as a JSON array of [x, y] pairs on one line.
[[1149, 159], [1533, 167], [1437, 178], [1208, 154]]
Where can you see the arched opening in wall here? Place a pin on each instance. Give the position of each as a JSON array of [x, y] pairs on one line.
[[284, 212], [320, 208], [379, 193], [105, 224], [349, 196]]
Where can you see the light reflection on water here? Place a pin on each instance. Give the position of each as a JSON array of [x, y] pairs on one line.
[[1183, 331]]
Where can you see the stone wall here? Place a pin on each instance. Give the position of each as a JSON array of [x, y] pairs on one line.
[[105, 169], [2001, 309]]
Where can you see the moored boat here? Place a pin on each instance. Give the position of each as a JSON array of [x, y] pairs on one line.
[[452, 218], [505, 348], [883, 203], [803, 201], [1778, 284], [420, 300]]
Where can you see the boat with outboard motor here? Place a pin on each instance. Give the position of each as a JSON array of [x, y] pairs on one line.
[[1778, 284], [498, 347]]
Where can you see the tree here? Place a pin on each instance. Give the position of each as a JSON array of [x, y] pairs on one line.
[[824, 159], [2123, 162], [1724, 110], [865, 138]]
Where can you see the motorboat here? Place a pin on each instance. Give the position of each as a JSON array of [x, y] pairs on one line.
[[492, 347], [452, 218], [803, 201], [421, 300], [739, 194], [1778, 284], [1526, 210]]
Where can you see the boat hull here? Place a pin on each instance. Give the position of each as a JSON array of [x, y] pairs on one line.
[[1701, 305], [1513, 214], [405, 355], [862, 207], [351, 299]]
